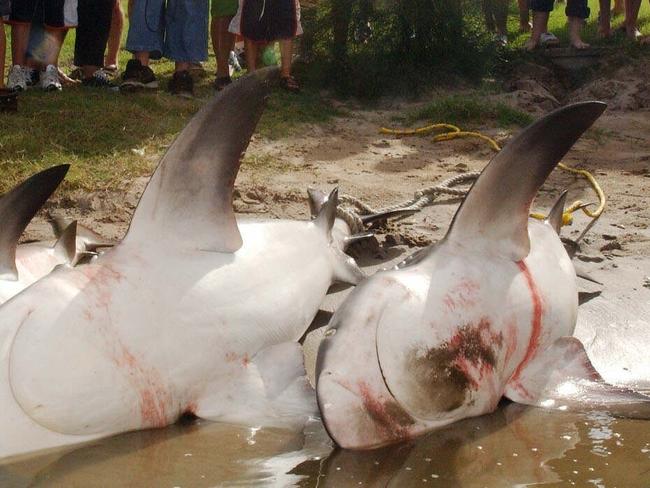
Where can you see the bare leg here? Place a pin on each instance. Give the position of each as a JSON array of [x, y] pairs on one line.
[[251, 55], [575, 26], [540, 25], [604, 18], [524, 17], [19, 41], [182, 66], [223, 42], [115, 36], [488, 8], [631, 15], [500, 9], [143, 57], [54, 41]]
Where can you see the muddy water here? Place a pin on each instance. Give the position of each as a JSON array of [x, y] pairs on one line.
[[515, 446]]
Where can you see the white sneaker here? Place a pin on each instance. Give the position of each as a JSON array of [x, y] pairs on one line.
[[16, 79], [50, 79]]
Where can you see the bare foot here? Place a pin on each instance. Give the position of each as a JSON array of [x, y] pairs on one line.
[[525, 27], [604, 31], [579, 44]]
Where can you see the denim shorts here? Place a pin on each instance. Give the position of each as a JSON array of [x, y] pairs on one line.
[[177, 30]]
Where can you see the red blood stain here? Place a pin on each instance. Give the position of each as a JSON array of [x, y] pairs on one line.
[[511, 345], [462, 295], [389, 417], [245, 360], [536, 325], [231, 357]]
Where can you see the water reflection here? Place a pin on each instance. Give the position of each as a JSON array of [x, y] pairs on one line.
[[515, 446]]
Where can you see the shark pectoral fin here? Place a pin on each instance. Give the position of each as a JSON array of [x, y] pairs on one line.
[[495, 211], [188, 201], [66, 246], [346, 269], [272, 390], [562, 377], [18, 207], [556, 214]]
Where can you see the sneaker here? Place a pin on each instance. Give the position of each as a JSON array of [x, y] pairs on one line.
[[221, 82], [548, 39], [50, 79], [233, 61], [182, 84], [99, 79], [32, 76], [137, 76], [16, 79]]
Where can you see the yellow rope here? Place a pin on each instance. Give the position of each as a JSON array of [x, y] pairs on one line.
[[455, 133]]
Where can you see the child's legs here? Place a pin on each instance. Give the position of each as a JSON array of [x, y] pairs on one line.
[[92, 34], [223, 41], [631, 15], [488, 14], [605, 17], [186, 39], [286, 53], [250, 49], [577, 11], [524, 14], [146, 29], [541, 11], [500, 9], [115, 35]]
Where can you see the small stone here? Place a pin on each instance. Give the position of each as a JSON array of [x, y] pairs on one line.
[[590, 259], [609, 237], [610, 246]]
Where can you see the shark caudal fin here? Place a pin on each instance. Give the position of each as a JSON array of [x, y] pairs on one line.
[[18, 207], [497, 206], [562, 377], [188, 201]]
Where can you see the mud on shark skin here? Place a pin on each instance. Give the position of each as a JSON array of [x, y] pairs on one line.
[[487, 312], [191, 313]]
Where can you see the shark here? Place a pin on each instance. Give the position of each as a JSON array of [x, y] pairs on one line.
[[191, 313], [488, 312]]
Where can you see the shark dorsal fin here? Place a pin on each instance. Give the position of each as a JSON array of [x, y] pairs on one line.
[[90, 240], [556, 214], [327, 213], [495, 212], [188, 201], [66, 245], [18, 207]]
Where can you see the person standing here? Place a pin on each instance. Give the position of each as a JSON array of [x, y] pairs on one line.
[[177, 30], [111, 62], [576, 11], [261, 22], [94, 18], [223, 41], [496, 18]]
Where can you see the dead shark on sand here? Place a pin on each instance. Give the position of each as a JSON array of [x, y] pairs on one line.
[[190, 313], [487, 312]]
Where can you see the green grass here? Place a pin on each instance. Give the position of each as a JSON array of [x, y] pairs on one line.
[[468, 109], [109, 137], [558, 25]]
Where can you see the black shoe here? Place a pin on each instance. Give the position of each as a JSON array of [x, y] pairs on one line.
[[221, 82], [182, 84], [137, 76], [99, 79]]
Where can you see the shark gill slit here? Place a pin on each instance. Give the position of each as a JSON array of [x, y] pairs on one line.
[[536, 323]]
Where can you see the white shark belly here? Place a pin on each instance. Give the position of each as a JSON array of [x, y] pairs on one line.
[[134, 345], [33, 261]]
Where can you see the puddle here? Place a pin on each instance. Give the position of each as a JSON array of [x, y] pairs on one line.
[[514, 447]]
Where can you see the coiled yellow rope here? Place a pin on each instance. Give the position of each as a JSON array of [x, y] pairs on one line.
[[455, 132]]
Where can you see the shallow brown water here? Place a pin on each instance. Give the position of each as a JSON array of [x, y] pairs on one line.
[[515, 446]]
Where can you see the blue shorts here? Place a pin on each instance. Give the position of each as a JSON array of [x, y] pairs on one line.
[[574, 8]]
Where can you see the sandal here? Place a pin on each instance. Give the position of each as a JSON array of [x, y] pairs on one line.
[[290, 84]]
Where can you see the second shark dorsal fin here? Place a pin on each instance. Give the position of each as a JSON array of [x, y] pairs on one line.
[[66, 245], [495, 212], [89, 239], [188, 201], [327, 213], [555, 216], [18, 207]]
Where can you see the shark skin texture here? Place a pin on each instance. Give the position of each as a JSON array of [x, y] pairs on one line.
[[485, 313], [191, 313]]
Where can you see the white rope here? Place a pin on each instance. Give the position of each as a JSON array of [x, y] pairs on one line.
[[355, 208]]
